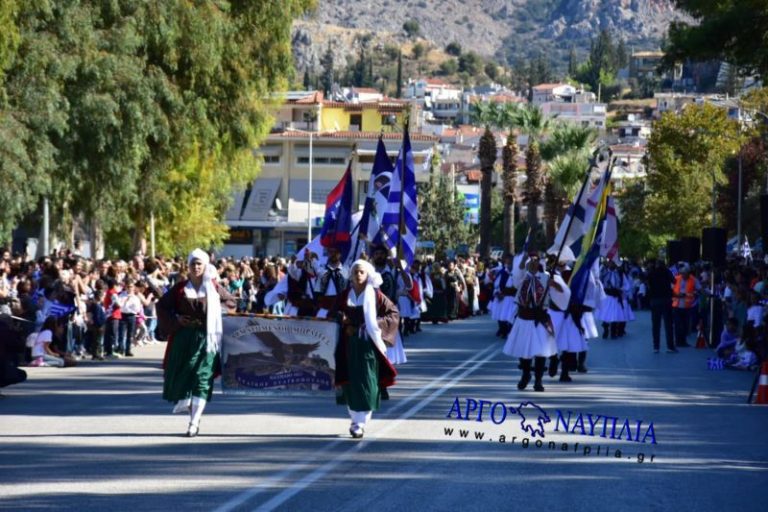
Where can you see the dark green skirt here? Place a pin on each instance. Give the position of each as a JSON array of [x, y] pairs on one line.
[[362, 392], [190, 369]]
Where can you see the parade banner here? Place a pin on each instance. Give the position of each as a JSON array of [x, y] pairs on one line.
[[265, 355]]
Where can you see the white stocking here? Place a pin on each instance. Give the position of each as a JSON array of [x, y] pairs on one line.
[[360, 417], [196, 412]]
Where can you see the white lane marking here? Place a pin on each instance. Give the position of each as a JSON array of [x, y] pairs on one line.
[[269, 483], [342, 457]]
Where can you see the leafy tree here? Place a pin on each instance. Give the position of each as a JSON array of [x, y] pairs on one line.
[[492, 71], [419, 50], [449, 67], [471, 63], [731, 30], [131, 108], [442, 211], [411, 28], [9, 33], [686, 154], [635, 238], [32, 110], [600, 69], [453, 48]]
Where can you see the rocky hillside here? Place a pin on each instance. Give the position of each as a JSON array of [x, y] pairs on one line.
[[506, 29]]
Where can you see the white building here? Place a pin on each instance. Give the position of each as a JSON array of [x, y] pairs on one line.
[[569, 104]]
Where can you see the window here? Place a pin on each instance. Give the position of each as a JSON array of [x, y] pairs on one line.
[[271, 159], [321, 160], [356, 120]]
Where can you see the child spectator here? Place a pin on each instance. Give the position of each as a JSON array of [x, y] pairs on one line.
[[97, 321], [728, 339], [43, 354]]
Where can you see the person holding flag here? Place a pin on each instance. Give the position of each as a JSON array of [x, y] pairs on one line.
[[333, 280], [300, 292], [336, 238], [531, 339]]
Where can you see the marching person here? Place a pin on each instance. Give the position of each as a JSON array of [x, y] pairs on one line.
[[369, 321], [301, 286], [531, 339], [611, 311], [421, 291], [504, 305], [191, 313], [334, 279]]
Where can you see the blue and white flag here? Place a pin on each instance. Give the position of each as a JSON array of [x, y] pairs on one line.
[[582, 210], [378, 194], [400, 222]]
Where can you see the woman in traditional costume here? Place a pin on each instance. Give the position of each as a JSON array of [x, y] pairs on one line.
[[191, 313], [369, 321]]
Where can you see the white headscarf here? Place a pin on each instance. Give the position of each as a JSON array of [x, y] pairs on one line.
[[213, 323], [369, 303]]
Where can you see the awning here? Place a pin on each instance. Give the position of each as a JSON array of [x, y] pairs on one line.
[[254, 203]]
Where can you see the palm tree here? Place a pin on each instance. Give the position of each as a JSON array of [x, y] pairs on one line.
[[567, 153], [486, 114], [509, 180], [533, 123]]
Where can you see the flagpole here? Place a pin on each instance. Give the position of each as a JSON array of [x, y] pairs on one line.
[[592, 164]]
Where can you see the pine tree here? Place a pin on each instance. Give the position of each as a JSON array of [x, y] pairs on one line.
[[572, 63], [327, 62], [399, 85]]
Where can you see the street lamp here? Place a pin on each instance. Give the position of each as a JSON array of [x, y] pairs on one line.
[[309, 193]]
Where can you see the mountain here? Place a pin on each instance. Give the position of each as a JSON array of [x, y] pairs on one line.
[[508, 30]]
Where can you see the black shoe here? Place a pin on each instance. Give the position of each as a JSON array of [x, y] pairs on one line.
[[581, 369], [685, 344], [129, 354], [524, 380], [554, 361], [565, 378], [538, 387]]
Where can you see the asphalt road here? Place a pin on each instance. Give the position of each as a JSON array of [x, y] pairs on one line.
[[99, 437]]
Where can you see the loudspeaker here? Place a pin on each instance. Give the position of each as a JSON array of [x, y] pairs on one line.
[[691, 249], [764, 218], [713, 245], [674, 251]]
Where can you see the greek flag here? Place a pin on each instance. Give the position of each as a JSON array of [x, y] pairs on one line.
[[400, 222], [378, 194], [582, 210]]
